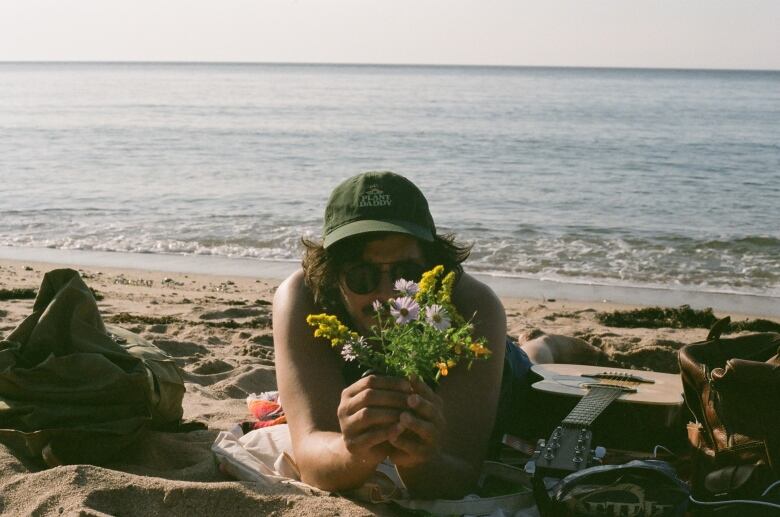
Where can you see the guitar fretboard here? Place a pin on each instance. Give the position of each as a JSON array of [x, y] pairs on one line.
[[591, 406]]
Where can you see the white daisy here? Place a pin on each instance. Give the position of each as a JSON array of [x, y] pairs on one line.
[[437, 317]]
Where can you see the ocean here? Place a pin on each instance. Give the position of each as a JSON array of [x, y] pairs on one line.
[[616, 177]]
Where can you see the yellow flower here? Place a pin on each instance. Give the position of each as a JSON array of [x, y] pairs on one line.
[[445, 293], [442, 369], [478, 349], [329, 327], [428, 282]]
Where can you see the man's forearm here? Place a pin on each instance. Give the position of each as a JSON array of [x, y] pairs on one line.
[[325, 462]]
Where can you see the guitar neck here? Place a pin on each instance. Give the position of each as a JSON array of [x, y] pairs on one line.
[[591, 406], [568, 449]]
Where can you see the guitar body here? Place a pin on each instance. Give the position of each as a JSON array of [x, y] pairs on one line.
[[664, 389], [647, 412]]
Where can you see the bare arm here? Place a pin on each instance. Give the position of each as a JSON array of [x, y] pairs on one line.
[[467, 400], [339, 433]]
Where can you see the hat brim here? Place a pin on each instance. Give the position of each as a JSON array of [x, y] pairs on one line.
[[371, 226]]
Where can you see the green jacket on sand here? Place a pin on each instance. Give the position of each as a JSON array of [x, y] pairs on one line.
[[73, 390]]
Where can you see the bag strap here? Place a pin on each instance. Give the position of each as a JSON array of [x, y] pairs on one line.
[[522, 498]]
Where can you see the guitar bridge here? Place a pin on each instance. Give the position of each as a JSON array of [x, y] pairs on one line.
[[627, 377], [625, 389]]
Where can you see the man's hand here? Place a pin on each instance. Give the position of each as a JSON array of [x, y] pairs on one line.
[[369, 414], [418, 434]]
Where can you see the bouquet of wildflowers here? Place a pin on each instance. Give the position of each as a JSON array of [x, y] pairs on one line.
[[417, 333]]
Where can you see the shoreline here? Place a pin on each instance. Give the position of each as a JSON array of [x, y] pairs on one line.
[[506, 287]]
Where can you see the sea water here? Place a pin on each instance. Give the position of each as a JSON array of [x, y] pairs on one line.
[[620, 177]]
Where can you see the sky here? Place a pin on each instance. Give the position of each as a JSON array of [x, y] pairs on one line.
[[740, 34]]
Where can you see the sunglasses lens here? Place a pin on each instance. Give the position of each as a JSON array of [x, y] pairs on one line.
[[362, 279]]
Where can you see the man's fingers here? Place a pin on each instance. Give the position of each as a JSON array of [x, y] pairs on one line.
[[374, 390], [425, 402], [369, 417], [378, 382], [410, 445], [419, 386], [368, 439], [425, 430], [422, 407], [376, 398]]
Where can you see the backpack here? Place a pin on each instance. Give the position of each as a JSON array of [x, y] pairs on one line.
[[732, 387], [73, 390], [639, 487]]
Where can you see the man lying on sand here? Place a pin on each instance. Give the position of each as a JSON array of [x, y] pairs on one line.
[[378, 229]]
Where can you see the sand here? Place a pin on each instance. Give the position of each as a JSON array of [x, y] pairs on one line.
[[218, 329]]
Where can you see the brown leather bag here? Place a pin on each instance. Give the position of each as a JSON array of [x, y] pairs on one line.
[[732, 387]]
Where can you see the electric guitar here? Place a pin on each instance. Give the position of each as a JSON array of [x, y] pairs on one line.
[[569, 447]]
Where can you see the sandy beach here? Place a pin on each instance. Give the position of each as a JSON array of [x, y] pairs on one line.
[[218, 330]]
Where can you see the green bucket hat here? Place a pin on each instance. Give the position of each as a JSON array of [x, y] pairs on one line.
[[377, 202]]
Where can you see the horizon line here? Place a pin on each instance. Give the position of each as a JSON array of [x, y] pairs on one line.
[[389, 65]]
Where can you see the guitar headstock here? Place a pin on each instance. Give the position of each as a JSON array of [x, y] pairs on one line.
[[566, 451]]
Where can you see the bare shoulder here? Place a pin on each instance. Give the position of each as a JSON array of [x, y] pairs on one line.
[[473, 297], [292, 288], [293, 302], [311, 393], [468, 285], [292, 299]]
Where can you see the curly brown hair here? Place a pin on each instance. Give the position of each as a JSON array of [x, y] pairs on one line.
[[321, 267]]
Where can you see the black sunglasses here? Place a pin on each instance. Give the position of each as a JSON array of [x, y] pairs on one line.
[[364, 278]]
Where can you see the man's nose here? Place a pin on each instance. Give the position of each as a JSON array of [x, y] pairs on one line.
[[386, 288]]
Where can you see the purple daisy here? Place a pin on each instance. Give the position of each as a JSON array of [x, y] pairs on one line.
[[404, 309], [406, 287]]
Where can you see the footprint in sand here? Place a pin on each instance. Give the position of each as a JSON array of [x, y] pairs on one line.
[[179, 348], [233, 312], [263, 339], [211, 366], [259, 346], [253, 379]]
